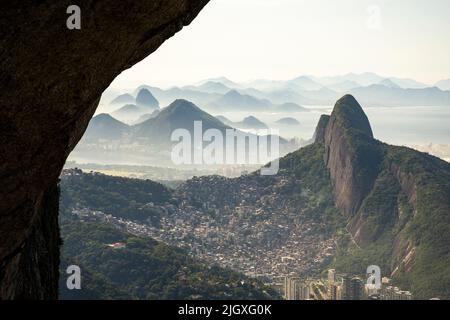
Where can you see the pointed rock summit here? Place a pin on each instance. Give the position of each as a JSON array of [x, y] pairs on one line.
[[319, 133]]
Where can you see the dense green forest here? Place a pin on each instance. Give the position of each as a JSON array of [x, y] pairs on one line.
[[131, 199]]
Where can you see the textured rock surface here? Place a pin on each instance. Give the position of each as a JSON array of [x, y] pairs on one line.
[[31, 269], [52, 79], [319, 133], [351, 154], [396, 200]]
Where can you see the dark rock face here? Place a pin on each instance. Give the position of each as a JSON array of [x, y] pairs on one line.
[[32, 267], [351, 154], [319, 133], [52, 79]]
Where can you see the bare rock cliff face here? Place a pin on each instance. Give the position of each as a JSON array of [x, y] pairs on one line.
[[351, 154], [319, 133], [396, 200], [52, 79]]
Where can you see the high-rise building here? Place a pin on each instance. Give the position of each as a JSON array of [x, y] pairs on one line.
[[287, 288], [331, 276], [332, 289], [332, 292], [301, 291], [356, 289], [345, 288], [291, 287], [338, 291], [296, 289]]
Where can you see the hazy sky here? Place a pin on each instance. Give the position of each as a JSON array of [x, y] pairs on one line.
[[282, 39]]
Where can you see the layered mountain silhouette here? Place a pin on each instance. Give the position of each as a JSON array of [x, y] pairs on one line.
[[181, 114], [129, 113], [389, 83], [288, 121], [105, 127], [147, 116], [145, 99], [135, 108], [382, 95], [152, 135], [235, 101], [123, 99], [227, 82], [291, 107], [190, 93], [224, 119], [210, 87], [221, 94], [306, 83], [443, 84], [249, 122]]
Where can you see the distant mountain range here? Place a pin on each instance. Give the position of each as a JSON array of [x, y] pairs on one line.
[[146, 116], [367, 79], [145, 99], [151, 135], [381, 95], [288, 121], [130, 113], [291, 107], [210, 87], [166, 97], [235, 101], [132, 108], [219, 95], [249, 122], [181, 114], [105, 127], [443, 84], [123, 99]]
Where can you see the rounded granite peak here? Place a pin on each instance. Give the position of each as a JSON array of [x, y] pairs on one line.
[[349, 115], [351, 154]]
